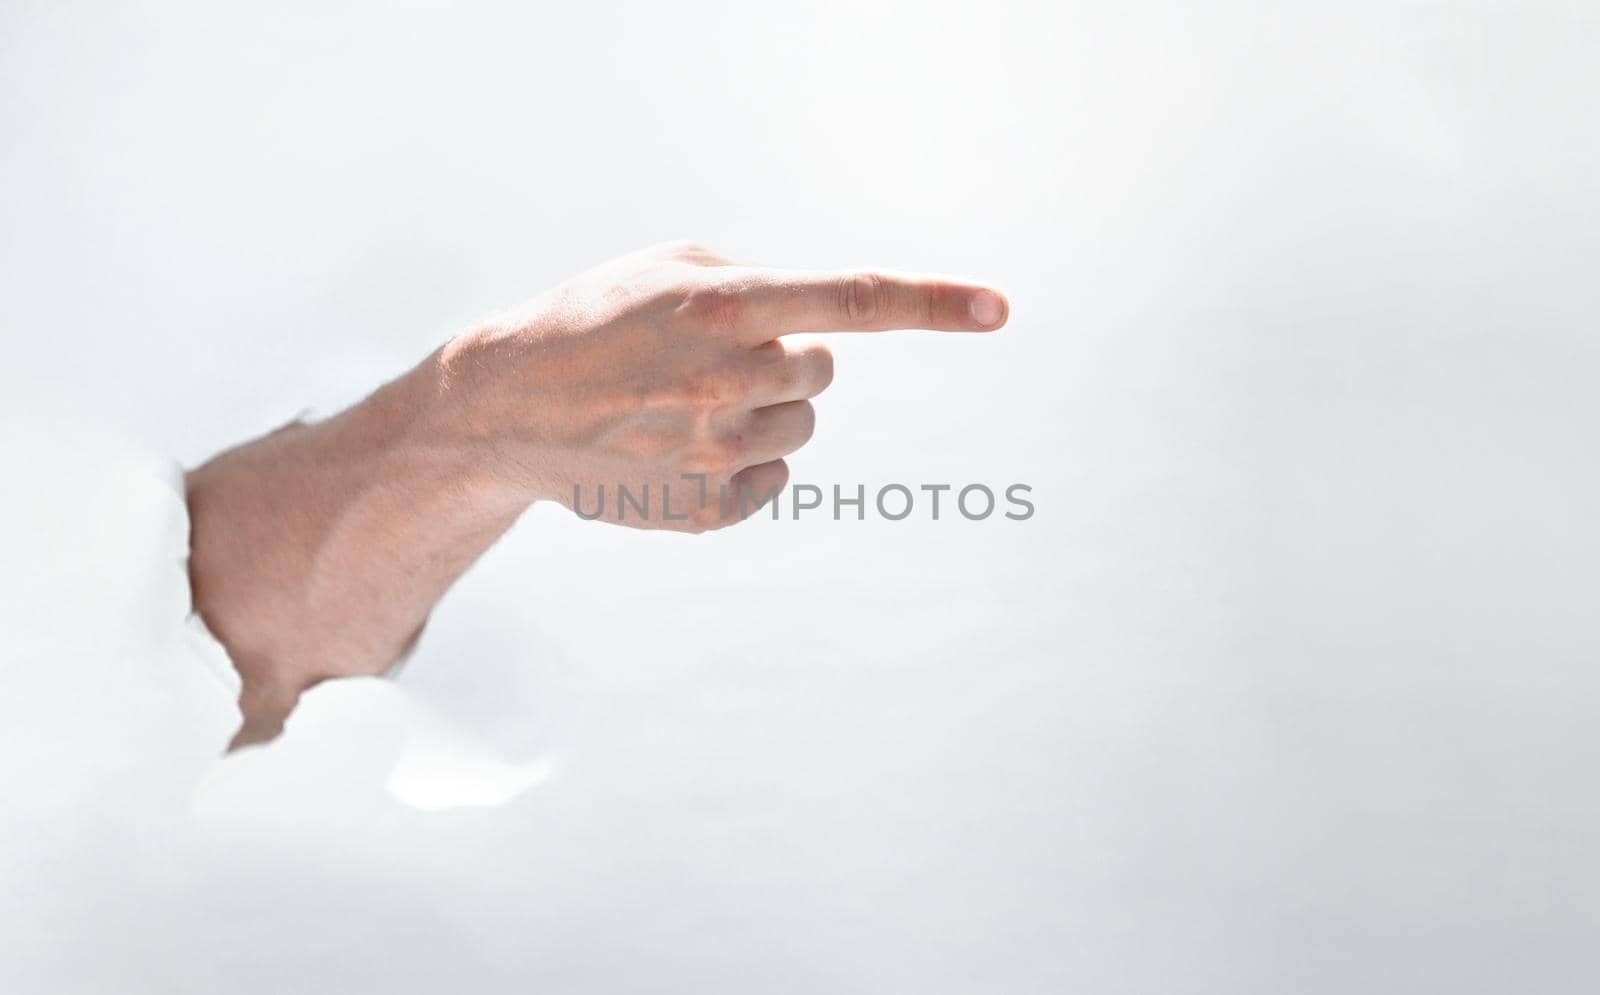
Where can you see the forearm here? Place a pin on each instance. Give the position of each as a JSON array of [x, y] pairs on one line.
[[319, 550]]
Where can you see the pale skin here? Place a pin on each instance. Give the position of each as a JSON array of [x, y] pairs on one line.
[[319, 550]]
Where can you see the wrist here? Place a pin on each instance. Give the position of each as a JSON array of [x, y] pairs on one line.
[[512, 430], [439, 422]]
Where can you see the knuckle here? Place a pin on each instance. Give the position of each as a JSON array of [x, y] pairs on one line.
[[805, 372], [863, 297], [698, 461], [717, 308], [784, 377], [716, 389], [729, 449], [712, 457], [807, 422], [773, 478], [680, 248], [824, 367]]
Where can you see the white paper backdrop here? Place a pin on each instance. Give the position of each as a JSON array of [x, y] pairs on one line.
[[1289, 685]]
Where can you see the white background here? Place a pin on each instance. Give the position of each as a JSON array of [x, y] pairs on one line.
[[1289, 685]]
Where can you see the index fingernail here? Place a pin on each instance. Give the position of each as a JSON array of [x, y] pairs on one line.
[[986, 307]]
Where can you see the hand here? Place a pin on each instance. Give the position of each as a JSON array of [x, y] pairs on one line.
[[319, 550], [658, 391]]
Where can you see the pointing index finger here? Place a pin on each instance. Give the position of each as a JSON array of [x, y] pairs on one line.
[[779, 302]]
